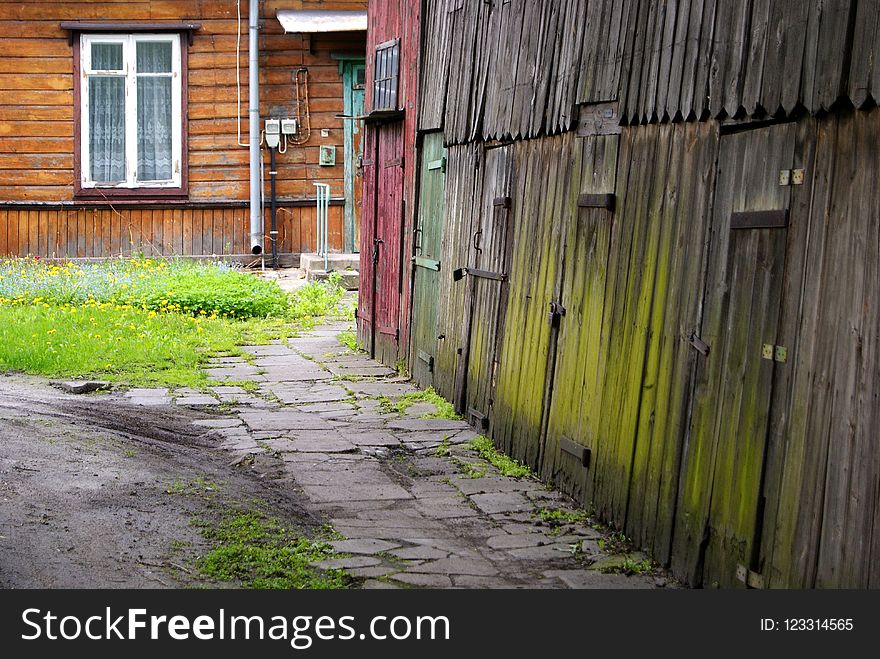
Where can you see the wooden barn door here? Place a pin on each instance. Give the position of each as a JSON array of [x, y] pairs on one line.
[[486, 295], [379, 306], [427, 259], [724, 488]]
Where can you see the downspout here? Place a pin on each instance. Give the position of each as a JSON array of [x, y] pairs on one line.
[[254, 125]]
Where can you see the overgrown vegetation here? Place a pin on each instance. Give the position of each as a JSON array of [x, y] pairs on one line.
[[143, 321], [630, 566], [348, 339], [555, 517], [505, 464], [257, 551], [443, 408]]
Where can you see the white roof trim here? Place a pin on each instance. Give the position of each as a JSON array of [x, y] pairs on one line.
[[314, 20]]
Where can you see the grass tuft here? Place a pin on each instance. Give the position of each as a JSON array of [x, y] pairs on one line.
[[505, 464], [258, 551]]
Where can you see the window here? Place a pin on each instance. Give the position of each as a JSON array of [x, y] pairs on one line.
[[130, 116], [386, 74]]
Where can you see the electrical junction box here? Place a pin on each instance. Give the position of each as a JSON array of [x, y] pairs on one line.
[[327, 155], [289, 127], [273, 133]]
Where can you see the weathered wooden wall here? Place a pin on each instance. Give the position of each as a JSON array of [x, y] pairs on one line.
[[173, 231], [516, 68], [37, 111], [389, 188], [622, 351]]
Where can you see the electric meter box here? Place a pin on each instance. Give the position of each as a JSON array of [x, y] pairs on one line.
[[289, 127], [273, 133]]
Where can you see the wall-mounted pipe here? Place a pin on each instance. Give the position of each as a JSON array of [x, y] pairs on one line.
[[254, 125]]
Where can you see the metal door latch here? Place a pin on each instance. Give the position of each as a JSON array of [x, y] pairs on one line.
[[557, 311]]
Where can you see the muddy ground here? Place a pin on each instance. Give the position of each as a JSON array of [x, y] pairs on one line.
[[95, 492]]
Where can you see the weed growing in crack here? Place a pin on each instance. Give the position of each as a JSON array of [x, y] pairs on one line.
[[505, 464], [443, 408], [348, 339]]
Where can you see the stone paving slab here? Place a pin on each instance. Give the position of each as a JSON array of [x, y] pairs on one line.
[[316, 394], [428, 424], [364, 546], [506, 502], [408, 515], [284, 419]]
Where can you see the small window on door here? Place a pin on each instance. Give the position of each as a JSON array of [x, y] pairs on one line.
[[387, 75], [360, 78]]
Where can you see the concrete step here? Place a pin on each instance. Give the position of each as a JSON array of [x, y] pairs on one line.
[[336, 262], [350, 278]]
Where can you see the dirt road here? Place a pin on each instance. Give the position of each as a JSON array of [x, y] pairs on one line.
[[95, 492]]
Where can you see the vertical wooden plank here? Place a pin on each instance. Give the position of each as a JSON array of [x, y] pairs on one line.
[[4, 228], [34, 233]]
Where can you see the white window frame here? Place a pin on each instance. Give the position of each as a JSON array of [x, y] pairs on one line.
[[129, 49]]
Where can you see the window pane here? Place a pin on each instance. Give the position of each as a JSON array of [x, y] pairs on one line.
[[154, 131], [106, 57], [107, 129], [154, 57]]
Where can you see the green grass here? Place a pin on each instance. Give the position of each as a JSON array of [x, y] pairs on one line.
[[143, 323], [258, 551], [443, 408], [348, 339], [554, 516], [506, 465]]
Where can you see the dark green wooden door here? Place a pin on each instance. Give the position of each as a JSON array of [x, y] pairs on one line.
[[722, 501], [426, 262]]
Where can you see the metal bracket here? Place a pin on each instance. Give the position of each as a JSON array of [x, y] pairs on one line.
[[502, 202], [429, 264], [698, 344], [460, 273], [477, 419], [427, 359], [579, 451], [797, 176], [784, 177], [438, 164]]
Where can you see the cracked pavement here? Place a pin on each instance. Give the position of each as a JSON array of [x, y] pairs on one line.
[[409, 514]]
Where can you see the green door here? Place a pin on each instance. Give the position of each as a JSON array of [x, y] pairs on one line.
[[353, 73], [426, 262]]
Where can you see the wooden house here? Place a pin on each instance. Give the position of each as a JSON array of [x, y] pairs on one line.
[[124, 125], [389, 177], [654, 241]]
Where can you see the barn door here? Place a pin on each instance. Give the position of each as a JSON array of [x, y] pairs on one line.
[[723, 489], [486, 295], [427, 259], [379, 305]]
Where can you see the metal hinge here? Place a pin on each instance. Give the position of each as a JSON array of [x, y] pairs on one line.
[[774, 353], [749, 578], [438, 164], [791, 177]]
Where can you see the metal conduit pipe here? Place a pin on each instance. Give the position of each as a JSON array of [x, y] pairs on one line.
[[254, 126]]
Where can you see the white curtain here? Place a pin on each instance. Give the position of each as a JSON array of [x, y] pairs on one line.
[[154, 103], [107, 116]]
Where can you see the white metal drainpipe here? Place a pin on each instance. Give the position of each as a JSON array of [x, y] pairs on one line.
[[254, 131]]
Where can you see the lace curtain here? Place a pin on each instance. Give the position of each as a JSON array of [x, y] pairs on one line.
[[107, 118], [107, 115], [154, 102]]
